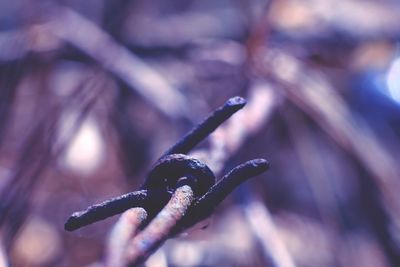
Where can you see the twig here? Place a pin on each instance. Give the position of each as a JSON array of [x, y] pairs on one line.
[[73, 28], [30, 165], [319, 100], [316, 97], [264, 229], [160, 227], [305, 143], [3, 257]]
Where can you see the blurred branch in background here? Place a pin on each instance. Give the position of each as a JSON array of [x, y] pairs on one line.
[[42, 145], [225, 142], [3, 258], [62, 27], [319, 100], [112, 56]]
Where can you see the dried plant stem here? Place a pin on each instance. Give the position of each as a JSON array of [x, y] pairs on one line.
[[264, 229], [312, 93], [305, 142], [160, 227], [126, 227], [316, 97], [114, 57], [3, 257]]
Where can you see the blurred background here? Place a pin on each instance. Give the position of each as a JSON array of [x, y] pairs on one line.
[[93, 92]]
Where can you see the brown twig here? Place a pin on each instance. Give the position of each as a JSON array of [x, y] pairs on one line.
[[73, 28], [312, 93], [264, 229], [3, 257], [317, 98]]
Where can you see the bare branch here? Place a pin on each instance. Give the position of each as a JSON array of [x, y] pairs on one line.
[[73, 28], [264, 229]]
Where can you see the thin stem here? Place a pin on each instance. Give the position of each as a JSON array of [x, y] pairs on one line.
[[160, 227], [3, 256], [117, 59], [261, 224], [201, 131]]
